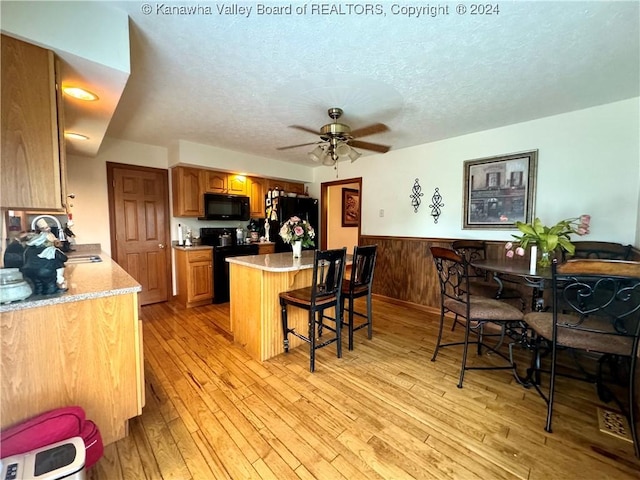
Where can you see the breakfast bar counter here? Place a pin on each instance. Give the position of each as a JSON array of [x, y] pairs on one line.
[[79, 347], [255, 282]]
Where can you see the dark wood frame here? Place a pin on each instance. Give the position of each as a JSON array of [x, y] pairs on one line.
[[501, 195], [348, 193]]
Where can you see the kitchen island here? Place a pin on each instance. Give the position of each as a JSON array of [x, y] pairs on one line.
[[81, 347], [255, 282]]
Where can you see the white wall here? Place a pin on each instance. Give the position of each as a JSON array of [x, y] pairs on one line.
[[589, 162], [87, 179], [237, 162]]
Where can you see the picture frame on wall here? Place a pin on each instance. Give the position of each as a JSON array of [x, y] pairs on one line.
[[500, 191], [350, 207]]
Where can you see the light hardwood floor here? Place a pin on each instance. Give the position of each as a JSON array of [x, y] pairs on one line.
[[383, 411]]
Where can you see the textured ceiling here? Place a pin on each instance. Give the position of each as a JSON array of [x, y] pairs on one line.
[[237, 82]]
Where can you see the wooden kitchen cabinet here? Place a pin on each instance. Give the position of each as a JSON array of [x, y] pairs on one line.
[[222, 182], [194, 272], [189, 184], [87, 352], [256, 192], [187, 192], [236, 184], [32, 158], [287, 187], [215, 182]]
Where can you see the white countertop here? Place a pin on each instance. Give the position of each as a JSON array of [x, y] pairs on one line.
[[275, 262], [279, 262], [85, 281]]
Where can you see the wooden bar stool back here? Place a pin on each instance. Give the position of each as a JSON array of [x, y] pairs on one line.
[[359, 285], [323, 294]]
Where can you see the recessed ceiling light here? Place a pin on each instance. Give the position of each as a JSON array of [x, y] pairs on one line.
[[80, 93], [75, 136]]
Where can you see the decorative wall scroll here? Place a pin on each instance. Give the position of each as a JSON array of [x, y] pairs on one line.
[[415, 196], [436, 205], [499, 191]]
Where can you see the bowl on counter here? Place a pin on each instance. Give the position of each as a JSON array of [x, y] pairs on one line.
[[13, 286]]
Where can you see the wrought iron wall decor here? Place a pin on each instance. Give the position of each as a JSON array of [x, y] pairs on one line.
[[415, 196], [436, 205]]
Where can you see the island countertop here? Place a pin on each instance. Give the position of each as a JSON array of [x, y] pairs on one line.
[[85, 281], [276, 262]]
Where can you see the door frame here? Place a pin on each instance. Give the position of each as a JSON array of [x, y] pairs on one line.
[[111, 166], [324, 207]]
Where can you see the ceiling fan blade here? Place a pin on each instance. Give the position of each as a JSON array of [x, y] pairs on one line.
[[296, 146], [370, 130], [305, 129], [376, 147]]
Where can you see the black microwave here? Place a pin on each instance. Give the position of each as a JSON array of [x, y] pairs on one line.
[[225, 207]]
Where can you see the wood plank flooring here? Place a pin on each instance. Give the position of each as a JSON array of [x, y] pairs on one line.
[[383, 411]]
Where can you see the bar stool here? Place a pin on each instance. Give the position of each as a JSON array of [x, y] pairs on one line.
[[359, 285], [324, 293]]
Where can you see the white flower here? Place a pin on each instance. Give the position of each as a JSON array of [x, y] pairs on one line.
[[296, 229]]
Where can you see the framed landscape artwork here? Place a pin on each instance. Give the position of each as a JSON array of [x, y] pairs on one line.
[[500, 191], [350, 207]]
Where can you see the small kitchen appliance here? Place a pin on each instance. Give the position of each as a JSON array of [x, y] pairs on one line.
[[65, 459]]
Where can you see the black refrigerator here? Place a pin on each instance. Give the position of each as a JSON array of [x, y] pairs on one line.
[[286, 207]]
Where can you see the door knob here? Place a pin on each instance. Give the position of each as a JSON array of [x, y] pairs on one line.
[[161, 245]]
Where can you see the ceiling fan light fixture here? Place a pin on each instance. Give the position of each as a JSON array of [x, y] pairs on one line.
[[353, 155], [316, 154], [343, 149], [328, 159]]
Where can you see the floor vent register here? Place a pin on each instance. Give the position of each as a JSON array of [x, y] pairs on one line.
[[614, 424]]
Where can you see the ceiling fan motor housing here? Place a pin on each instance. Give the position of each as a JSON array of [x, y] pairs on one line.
[[332, 130]]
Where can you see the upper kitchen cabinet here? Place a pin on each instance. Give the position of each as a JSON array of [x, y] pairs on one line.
[[255, 190], [287, 187], [32, 158], [221, 182], [215, 182], [187, 191], [236, 184]]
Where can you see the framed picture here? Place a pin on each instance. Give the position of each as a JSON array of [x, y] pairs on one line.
[[350, 207], [500, 191]]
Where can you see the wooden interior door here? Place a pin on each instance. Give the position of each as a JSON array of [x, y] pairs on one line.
[[140, 241]]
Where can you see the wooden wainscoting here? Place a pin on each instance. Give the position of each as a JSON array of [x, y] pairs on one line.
[[405, 269]]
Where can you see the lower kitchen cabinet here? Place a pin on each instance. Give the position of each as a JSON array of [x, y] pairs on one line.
[[87, 352], [194, 272]]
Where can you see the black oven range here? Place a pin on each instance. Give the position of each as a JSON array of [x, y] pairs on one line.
[[223, 241]]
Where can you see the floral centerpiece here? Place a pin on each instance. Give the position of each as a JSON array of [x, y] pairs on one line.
[[546, 238], [296, 229]]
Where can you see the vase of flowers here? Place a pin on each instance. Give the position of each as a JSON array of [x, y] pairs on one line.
[[548, 239], [299, 233]]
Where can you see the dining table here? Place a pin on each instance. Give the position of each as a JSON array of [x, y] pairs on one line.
[[519, 272]]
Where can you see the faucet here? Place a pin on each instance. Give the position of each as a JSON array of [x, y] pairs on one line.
[[61, 235]]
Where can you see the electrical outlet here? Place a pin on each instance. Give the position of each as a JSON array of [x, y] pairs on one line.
[[381, 213]]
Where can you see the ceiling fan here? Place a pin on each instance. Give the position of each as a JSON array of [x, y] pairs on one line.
[[338, 140]]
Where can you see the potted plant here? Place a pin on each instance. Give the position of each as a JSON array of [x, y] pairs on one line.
[[547, 239]]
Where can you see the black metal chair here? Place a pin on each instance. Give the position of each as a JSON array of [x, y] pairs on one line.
[[324, 293], [603, 301], [475, 310], [359, 285], [480, 282]]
